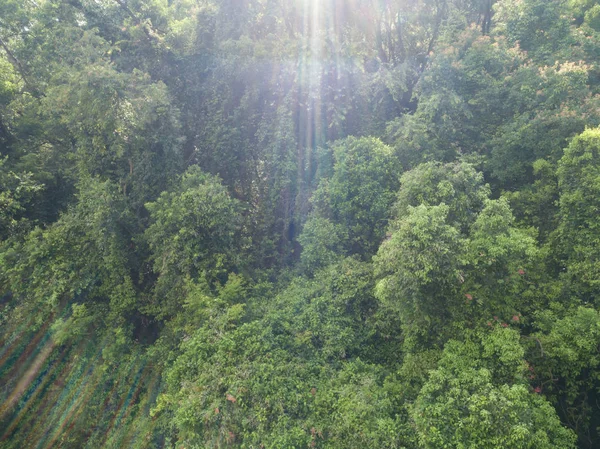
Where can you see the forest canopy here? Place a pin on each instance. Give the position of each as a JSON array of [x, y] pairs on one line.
[[335, 224]]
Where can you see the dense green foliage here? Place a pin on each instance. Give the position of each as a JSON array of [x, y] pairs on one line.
[[336, 224]]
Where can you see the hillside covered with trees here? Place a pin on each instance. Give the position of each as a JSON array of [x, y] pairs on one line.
[[285, 224]]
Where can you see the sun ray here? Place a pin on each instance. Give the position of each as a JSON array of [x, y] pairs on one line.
[[48, 378]]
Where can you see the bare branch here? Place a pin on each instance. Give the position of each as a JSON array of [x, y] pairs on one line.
[[18, 67]]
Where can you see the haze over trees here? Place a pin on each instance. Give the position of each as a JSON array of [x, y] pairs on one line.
[[336, 224]]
